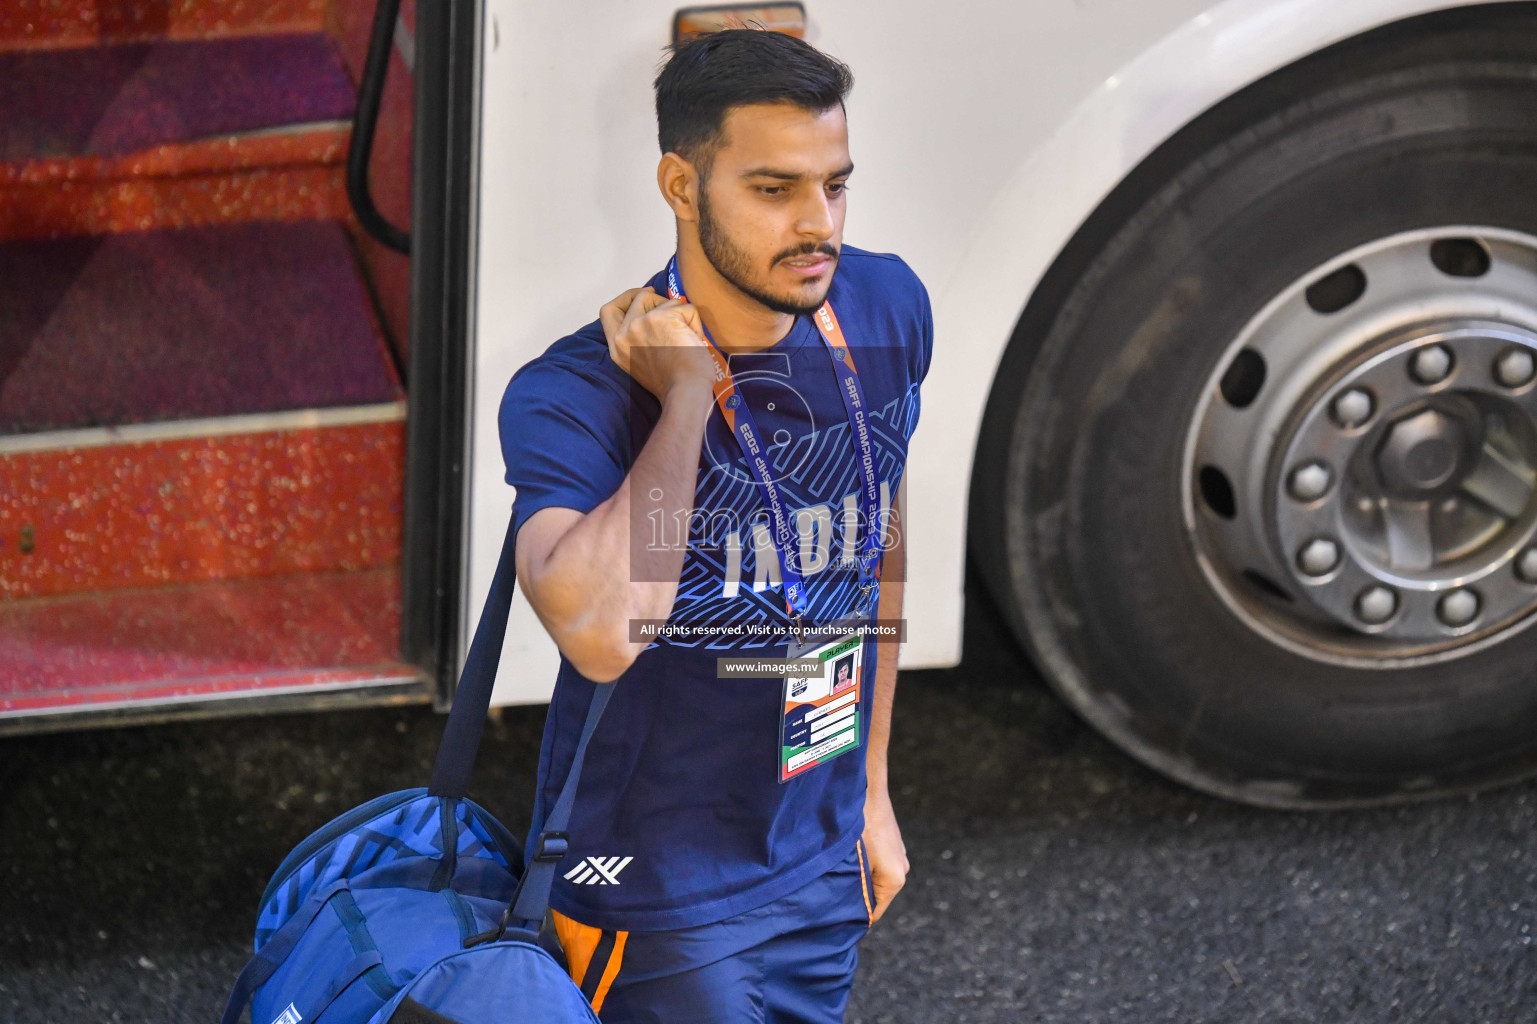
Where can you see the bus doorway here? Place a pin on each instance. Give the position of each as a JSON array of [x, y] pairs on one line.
[[209, 364]]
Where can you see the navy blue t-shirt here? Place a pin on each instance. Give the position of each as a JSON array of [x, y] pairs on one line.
[[680, 800]]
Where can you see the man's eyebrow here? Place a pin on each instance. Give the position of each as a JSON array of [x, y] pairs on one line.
[[779, 175]]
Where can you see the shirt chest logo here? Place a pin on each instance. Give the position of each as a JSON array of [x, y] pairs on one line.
[[816, 528]]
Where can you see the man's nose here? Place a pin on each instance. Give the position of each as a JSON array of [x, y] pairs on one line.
[[816, 218]]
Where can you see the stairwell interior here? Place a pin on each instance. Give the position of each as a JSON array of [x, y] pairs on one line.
[[201, 391]]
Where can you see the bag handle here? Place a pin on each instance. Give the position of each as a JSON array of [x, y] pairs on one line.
[[261, 967]]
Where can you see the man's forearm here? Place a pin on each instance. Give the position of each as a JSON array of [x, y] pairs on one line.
[[888, 610], [607, 569], [882, 836]]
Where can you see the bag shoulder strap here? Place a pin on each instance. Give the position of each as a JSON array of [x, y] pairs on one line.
[[472, 697], [549, 840], [466, 724]]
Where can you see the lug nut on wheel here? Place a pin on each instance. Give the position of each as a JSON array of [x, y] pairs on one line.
[[1353, 408], [1376, 605], [1526, 565], [1431, 365], [1318, 556], [1515, 367], [1310, 482], [1458, 608]]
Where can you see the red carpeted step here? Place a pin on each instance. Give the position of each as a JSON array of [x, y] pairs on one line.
[[190, 405], [54, 23], [217, 321], [117, 511], [168, 648], [306, 191], [170, 134], [122, 99]]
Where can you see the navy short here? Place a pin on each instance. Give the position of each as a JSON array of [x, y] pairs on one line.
[[791, 960]]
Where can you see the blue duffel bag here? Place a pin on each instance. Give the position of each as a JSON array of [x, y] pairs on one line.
[[419, 907]]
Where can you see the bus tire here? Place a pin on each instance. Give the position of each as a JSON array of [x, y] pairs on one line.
[[1087, 513]]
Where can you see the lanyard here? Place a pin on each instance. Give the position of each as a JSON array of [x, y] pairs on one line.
[[739, 420]]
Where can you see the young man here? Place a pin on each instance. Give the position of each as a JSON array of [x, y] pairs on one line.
[[733, 838]]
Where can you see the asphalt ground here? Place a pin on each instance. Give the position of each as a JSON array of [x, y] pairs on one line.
[[1053, 879]]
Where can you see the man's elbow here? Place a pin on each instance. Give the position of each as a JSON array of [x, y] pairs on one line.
[[601, 656], [592, 631], [597, 644]]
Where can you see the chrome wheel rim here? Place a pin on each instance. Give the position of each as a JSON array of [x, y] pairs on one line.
[[1360, 474]]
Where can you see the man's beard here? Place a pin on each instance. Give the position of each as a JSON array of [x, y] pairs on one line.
[[735, 265]]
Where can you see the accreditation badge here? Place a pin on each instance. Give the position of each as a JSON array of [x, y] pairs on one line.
[[821, 711]]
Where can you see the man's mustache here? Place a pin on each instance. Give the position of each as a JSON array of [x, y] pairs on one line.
[[825, 248]]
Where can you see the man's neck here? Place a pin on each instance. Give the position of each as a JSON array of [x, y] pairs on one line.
[[736, 321]]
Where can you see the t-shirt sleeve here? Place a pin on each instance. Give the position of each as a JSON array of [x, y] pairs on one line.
[[926, 332], [565, 436], [921, 350]]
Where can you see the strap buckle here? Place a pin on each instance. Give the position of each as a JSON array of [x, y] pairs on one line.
[[552, 846]]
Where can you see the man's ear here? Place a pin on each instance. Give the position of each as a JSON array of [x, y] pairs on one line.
[[679, 181]]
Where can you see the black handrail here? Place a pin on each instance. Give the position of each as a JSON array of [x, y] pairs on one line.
[[364, 120]]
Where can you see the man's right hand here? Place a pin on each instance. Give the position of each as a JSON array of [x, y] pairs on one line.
[[659, 342]]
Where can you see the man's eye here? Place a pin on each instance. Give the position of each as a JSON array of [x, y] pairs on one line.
[[838, 187], [771, 190]]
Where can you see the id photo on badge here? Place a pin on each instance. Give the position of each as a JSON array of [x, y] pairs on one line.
[[844, 672]]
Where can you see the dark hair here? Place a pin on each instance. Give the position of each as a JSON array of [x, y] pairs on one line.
[[709, 74]]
